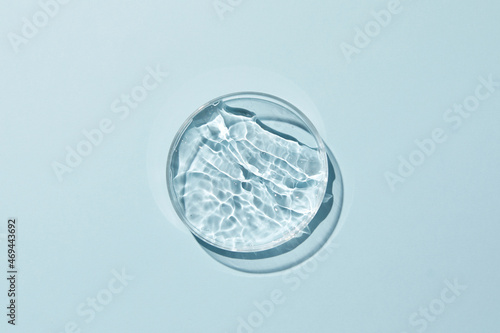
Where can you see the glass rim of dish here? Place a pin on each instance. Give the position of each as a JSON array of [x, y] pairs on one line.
[[321, 150]]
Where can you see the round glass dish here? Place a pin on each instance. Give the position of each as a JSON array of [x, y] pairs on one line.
[[247, 172]]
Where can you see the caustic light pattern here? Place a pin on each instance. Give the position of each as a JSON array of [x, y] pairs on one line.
[[240, 183]]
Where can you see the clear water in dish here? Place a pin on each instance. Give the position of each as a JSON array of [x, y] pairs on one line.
[[241, 184]]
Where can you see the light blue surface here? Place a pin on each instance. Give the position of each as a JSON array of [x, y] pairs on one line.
[[397, 251]]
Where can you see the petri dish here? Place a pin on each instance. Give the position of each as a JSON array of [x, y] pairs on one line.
[[247, 172]]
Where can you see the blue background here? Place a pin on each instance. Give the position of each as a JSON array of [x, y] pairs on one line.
[[395, 250]]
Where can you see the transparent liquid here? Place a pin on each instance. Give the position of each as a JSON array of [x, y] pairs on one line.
[[241, 184]]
